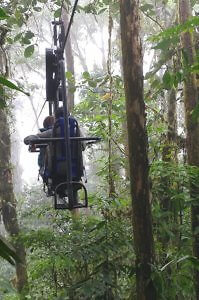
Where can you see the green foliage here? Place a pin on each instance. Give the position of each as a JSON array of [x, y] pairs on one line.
[[99, 7], [93, 113], [175, 264], [3, 14], [174, 31], [29, 51], [167, 80], [83, 256], [168, 43]]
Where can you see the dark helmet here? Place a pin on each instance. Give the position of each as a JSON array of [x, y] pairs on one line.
[[48, 122]]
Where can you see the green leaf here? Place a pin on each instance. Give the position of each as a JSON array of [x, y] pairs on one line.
[[164, 44], [195, 113], [29, 51], [86, 75], [102, 10], [167, 80], [69, 75], [57, 13], [92, 83], [29, 34], [3, 15], [179, 76], [155, 83], [10, 41], [11, 85], [195, 68], [72, 89], [17, 37], [2, 98], [11, 21], [98, 226]]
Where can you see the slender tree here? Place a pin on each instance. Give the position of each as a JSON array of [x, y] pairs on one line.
[[137, 140], [192, 139], [110, 146], [7, 197]]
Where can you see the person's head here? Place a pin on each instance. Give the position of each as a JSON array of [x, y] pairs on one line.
[[59, 112], [48, 122]]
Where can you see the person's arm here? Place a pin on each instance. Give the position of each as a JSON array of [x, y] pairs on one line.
[[45, 134], [83, 143], [30, 138]]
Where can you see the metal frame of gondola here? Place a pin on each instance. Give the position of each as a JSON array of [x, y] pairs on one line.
[[56, 73]]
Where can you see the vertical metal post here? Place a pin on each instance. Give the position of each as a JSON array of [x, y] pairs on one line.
[[50, 108], [66, 135], [55, 33]]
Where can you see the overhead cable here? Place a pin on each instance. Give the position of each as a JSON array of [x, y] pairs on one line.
[[69, 25], [37, 119]]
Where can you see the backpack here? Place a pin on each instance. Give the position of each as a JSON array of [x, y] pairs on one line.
[[59, 151]]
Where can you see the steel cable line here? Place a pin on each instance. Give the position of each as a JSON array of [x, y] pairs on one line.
[[69, 25], [37, 119]]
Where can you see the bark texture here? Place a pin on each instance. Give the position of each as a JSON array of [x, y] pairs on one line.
[[8, 204], [192, 141], [169, 153], [111, 180], [7, 197], [138, 144]]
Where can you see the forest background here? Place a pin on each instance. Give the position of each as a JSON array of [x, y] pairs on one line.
[[139, 239]]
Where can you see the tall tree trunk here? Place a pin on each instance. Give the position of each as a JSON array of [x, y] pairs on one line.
[[192, 141], [7, 198], [138, 144], [69, 61], [169, 154], [8, 204], [111, 180], [169, 151]]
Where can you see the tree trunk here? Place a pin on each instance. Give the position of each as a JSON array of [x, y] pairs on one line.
[[111, 181], [8, 204], [138, 144], [169, 154], [192, 141], [170, 151]]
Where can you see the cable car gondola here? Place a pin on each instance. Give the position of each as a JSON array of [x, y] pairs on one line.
[[64, 178]]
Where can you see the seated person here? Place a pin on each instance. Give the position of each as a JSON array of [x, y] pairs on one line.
[[47, 124], [55, 154]]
